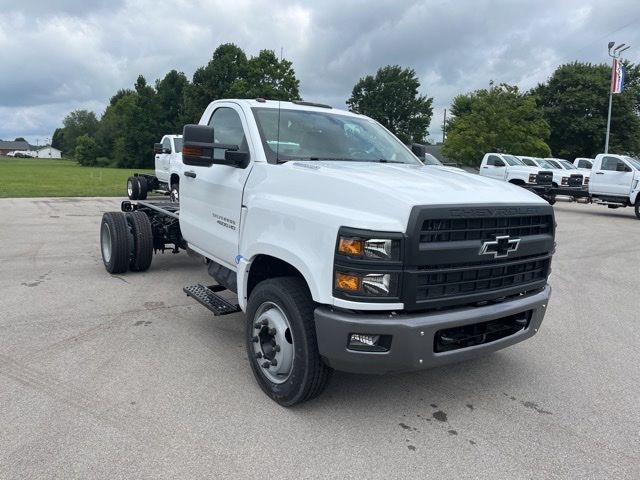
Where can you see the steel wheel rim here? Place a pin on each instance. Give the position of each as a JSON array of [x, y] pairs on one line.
[[174, 195], [129, 188], [273, 340], [105, 241]]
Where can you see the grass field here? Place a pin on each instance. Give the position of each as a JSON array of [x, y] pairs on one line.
[[27, 177]]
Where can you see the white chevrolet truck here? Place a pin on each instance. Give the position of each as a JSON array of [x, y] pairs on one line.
[[510, 168], [169, 168], [342, 249]]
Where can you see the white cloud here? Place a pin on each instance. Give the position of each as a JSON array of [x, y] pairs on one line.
[[59, 55]]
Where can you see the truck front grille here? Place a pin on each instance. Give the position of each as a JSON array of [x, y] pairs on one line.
[[449, 263]]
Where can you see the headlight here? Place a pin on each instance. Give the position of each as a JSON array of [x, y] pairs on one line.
[[367, 284], [533, 178], [565, 180], [370, 248], [367, 265]]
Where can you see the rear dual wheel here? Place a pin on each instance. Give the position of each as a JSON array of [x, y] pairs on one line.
[[137, 188], [126, 241]]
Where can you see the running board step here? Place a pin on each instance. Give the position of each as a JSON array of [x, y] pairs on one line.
[[208, 298]]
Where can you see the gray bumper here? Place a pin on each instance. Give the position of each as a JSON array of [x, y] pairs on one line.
[[413, 335]]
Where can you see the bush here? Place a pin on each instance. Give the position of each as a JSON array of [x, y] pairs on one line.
[[86, 152]]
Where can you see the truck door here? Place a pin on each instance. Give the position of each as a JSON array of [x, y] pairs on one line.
[[495, 167], [211, 197], [614, 177], [162, 160]]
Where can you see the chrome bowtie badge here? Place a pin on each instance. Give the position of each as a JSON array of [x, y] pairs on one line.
[[501, 247]]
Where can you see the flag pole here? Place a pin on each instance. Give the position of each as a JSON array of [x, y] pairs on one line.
[[606, 142]]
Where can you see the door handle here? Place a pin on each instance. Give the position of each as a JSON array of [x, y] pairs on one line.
[[190, 174], [599, 173]]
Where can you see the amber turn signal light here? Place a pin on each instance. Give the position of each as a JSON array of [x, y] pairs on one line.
[[193, 151], [347, 283], [350, 246]]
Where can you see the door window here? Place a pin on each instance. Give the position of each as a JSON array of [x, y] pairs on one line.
[[166, 143], [610, 163], [492, 160]]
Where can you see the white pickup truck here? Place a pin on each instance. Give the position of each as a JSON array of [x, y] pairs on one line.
[[615, 181], [344, 250], [510, 168], [583, 164], [168, 166]]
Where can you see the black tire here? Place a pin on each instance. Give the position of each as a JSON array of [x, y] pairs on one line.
[[133, 188], [142, 248], [309, 375], [174, 194], [114, 242], [144, 188], [551, 199], [637, 207]]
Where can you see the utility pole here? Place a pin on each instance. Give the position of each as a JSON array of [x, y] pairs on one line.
[[615, 54], [444, 125]]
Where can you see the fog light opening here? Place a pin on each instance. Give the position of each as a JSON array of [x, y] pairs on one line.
[[366, 342]]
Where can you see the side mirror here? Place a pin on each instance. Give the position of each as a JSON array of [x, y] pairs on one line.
[[418, 150], [157, 148], [499, 163], [198, 149]]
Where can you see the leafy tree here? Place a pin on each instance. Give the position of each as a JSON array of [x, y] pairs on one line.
[[266, 77], [57, 140], [391, 97], [575, 102], [211, 82], [87, 150], [20, 139], [76, 124], [171, 92], [500, 119]]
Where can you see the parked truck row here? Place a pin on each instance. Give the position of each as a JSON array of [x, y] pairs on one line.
[[343, 250]]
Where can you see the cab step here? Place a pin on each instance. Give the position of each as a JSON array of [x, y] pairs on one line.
[[207, 297]]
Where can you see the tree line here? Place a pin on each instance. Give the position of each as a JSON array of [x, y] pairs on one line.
[[565, 116]]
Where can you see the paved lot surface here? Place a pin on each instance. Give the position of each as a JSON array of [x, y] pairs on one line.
[[124, 377]]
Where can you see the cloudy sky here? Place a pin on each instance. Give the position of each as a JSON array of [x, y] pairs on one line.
[[61, 55]]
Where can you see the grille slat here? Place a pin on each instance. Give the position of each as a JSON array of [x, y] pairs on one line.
[[460, 229]]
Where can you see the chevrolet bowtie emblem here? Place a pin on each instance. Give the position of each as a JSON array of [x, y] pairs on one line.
[[501, 247]]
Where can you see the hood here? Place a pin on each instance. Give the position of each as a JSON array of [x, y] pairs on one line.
[[418, 184]]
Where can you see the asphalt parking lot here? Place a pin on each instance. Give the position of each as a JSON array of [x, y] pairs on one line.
[[123, 376]]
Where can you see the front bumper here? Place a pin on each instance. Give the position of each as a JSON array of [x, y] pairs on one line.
[[414, 335]]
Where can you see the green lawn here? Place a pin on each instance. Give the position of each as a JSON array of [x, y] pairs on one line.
[[26, 177]]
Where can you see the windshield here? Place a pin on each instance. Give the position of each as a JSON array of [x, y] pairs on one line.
[[177, 142], [544, 164], [431, 160], [310, 135], [568, 165], [528, 162], [553, 164], [633, 161], [511, 160]]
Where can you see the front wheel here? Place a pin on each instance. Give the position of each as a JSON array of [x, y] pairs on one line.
[[281, 341], [174, 195], [637, 207]]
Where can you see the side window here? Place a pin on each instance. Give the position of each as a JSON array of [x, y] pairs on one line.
[[582, 164], [609, 163], [492, 160], [227, 130], [166, 143]]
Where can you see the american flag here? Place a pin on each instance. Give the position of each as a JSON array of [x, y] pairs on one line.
[[617, 76]]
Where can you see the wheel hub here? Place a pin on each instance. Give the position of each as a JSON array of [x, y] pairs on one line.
[[105, 243], [272, 342]]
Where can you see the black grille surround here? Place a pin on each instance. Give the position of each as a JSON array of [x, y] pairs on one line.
[[443, 267]]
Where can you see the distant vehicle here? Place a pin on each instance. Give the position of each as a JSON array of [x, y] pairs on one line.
[[567, 165], [22, 154], [169, 167], [583, 163], [559, 177], [510, 168]]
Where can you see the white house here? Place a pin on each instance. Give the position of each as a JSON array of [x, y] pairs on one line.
[[49, 152]]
